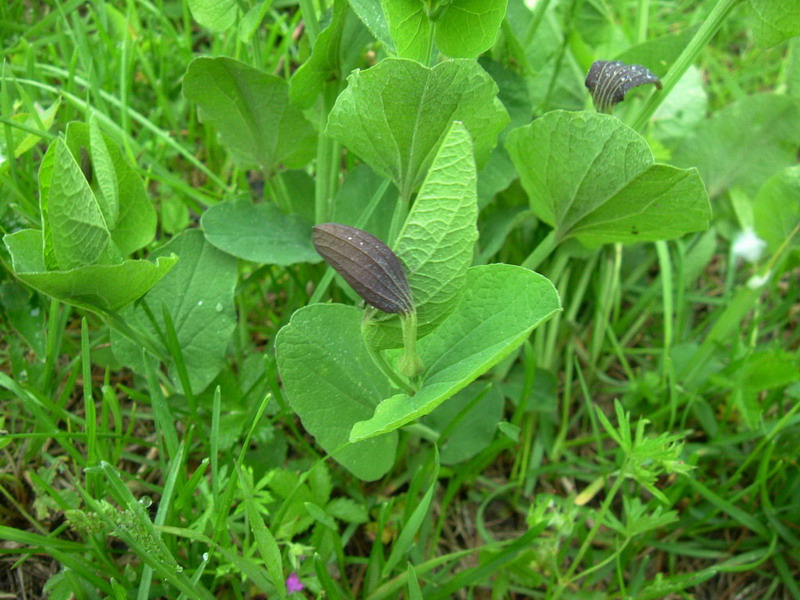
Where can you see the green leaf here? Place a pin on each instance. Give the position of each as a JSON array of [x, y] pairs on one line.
[[410, 28], [467, 422], [776, 210], [259, 232], [198, 294], [371, 15], [462, 28], [331, 383], [396, 114], [336, 53], [468, 27], [774, 21], [135, 225], [500, 306], [722, 146], [80, 234], [96, 287], [251, 112], [659, 53], [437, 242], [591, 177], [214, 15], [353, 198], [21, 139], [103, 170]]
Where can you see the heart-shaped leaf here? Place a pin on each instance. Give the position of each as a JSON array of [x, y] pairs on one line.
[[467, 422], [396, 114], [259, 232], [723, 146], [78, 230], [134, 218], [776, 211], [251, 112], [336, 52], [461, 28], [198, 294], [331, 383], [592, 178], [500, 306], [774, 21], [94, 287]]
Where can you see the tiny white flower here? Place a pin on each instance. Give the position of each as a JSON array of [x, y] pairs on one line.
[[748, 246], [757, 281]]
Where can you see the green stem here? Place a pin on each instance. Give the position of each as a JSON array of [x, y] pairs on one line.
[[707, 31], [380, 361], [398, 220], [410, 363], [541, 251], [310, 20], [536, 20], [327, 158]]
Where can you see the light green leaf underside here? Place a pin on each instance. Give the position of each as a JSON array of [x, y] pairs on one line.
[[437, 241], [80, 234], [135, 224], [395, 115], [743, 144], [500, 306], [105, 174], [774, 21], [776, 210], [409, 27], [198, 294], [95, 287], [214, 15], [259, 232], [591, 177], [469, 27], [371, 15], [336, 52], [331, 383], [467, 421], [250, 110]]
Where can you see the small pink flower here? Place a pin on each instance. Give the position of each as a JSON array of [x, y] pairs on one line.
[[293, 583]]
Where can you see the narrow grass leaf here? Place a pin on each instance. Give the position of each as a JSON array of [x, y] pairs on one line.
[[405, 540]]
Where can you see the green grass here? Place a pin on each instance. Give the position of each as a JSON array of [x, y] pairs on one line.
[[648, 445]]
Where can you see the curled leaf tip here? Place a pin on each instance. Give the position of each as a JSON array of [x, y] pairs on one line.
[[609, 81], [367, 264]]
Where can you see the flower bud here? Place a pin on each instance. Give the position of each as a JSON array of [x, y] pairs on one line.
[[367, 264]]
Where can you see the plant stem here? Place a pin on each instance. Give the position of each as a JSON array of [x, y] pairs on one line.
[[380, 361], [327, 157], [707, 31], [410, 364], [541, 251], [310, 20]]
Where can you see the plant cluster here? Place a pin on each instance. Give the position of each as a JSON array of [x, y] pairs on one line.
[[400, 298]]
